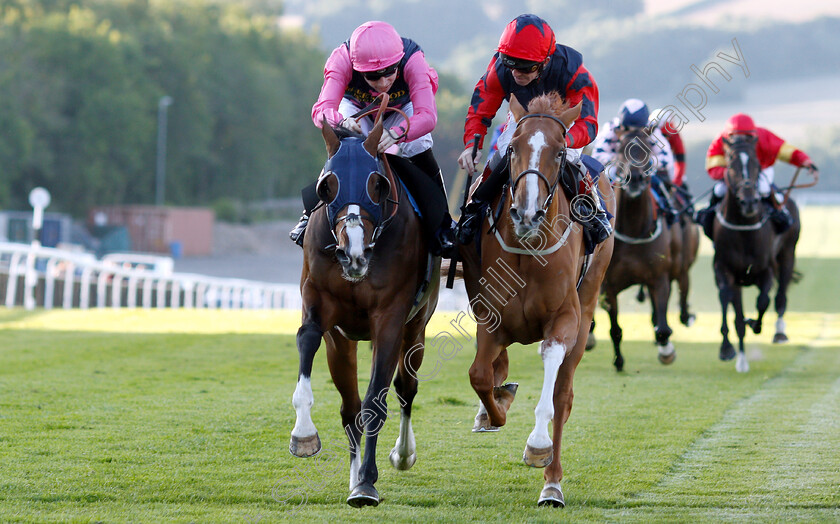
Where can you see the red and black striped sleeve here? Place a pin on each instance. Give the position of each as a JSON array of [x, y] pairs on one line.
[[486, 100]]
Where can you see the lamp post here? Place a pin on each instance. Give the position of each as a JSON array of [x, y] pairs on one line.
[[160, 173]]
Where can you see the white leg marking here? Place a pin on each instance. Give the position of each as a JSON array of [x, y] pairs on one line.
[[741, 363], [781, 327], [553, 354], [667, 350], [405, 445], [302, 400]]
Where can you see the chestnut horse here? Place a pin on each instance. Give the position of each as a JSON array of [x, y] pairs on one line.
[[748, 251], [647, 250], [533, 282], [364, 261]]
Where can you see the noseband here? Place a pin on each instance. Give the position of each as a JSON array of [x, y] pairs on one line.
[[552, 186]]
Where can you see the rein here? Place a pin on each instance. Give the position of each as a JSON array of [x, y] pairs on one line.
[[644, 240], [740, 227]]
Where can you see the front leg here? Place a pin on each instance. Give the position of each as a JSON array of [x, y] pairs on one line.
[[539, 451], [305, 441], [387, 335]]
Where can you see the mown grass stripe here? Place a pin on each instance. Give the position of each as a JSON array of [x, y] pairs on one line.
[[782, 438]]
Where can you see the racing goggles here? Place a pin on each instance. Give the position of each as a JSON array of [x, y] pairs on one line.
[[376, 75]]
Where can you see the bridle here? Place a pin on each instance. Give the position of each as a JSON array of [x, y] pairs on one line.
[[551, 186], [737, 150]]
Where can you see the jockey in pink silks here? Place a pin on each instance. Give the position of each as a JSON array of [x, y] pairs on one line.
[[376, 59]]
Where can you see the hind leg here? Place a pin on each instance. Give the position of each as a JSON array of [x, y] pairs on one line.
[[611, 305], [404, 454], [785, 263], [660, 292], [687, 318], [341, 357]]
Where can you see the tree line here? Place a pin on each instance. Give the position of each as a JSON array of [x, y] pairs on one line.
[[80, 84]]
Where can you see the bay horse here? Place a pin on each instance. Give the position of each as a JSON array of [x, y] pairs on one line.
[[748, 251], [364, 261], [647, 251], [531, 280]]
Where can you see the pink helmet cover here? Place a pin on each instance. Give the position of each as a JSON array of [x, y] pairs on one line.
[[375, 45]]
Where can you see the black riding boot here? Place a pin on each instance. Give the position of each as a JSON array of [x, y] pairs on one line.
[[706, 217], [586, 205], [297, 232], [310, 200], [473, 215], [444, 235], [779, 215]]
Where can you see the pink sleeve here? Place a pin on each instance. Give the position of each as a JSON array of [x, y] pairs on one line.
[[337, 73], [422, 82]]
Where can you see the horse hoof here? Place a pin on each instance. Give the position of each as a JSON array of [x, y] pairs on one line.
[[505, 394], [482, 424], [402, 463], [727, 352], [305, 447], [538, 458], [618, 362], [363, 495], [551, 496], [780, 338], [755, 325], [688, 320], [667, 354]]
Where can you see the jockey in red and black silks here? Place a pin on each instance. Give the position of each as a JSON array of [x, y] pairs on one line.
[[564, 72], [529, 63], [769, 148]]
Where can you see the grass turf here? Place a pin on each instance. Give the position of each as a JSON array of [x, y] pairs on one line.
[[104, 419]]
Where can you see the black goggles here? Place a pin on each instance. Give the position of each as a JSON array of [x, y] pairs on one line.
[[376, 75], [523, 66]]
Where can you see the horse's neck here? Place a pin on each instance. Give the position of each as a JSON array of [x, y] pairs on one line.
[[731, 211], [636, 216]]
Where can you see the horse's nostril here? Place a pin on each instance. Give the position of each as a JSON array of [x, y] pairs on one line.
[[341, 255], [514, 214], [539, 215]]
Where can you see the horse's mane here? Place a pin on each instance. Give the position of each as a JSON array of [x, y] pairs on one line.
[[550, 103]]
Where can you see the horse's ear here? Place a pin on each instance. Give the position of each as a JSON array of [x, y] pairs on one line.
[[330, 138], [569, 116], [516, 108], [372, 140]]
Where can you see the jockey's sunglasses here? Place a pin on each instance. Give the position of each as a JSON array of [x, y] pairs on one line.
[[523, 66], [376, 75]]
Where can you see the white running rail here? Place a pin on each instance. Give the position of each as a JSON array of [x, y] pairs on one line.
[[53, 278]]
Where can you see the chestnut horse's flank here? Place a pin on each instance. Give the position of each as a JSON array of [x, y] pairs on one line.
[[364, 261], [748, 252], [534, 283], [647, 251]]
